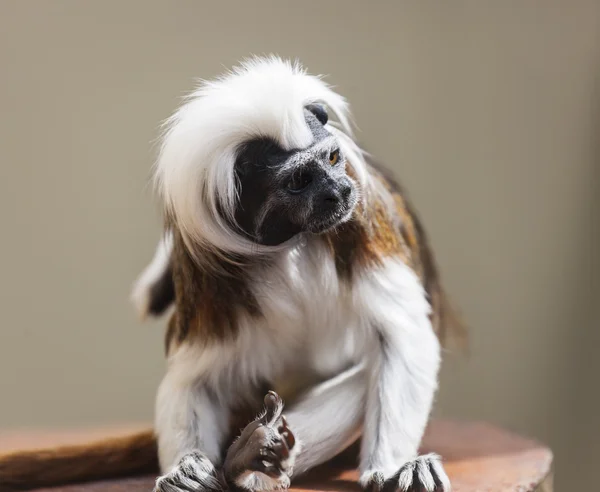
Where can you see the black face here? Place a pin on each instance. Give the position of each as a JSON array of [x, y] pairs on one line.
[[284, 193]]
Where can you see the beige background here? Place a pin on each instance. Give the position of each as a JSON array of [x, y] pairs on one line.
[[488, 111]]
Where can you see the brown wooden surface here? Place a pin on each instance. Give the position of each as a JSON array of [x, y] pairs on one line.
[[478, 458]]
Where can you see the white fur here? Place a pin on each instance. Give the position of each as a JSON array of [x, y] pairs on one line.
[[187, 419], [195, 169], [308, 326], [140, 295], [329, 417], [403, 368], [315, 323], [312, 323]]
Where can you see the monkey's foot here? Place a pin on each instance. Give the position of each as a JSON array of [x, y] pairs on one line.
[[262, 458], [424, 473], [194, 473]]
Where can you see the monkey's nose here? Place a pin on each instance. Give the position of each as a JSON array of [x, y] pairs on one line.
[[333, 196], [346, 191], [330, 199]]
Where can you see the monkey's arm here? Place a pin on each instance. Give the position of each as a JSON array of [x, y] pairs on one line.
[[403, 369], [191, 426], [192, 422]]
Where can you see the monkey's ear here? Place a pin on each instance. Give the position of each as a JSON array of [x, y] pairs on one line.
[[319, 111]]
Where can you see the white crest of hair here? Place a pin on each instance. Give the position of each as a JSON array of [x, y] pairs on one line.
[[263, 97], [140, 295]]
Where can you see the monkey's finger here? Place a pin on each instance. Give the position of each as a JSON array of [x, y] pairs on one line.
[[269, 454], [284, 425], [281, 448], [286, 433], [289, 439], [272, 397], [273, 406]]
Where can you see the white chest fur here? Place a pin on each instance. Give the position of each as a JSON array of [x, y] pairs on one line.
[[311, 310], [312, 323], [309, 327]]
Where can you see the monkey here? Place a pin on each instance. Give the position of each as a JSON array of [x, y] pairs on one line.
[[292, 252], [306, 304]]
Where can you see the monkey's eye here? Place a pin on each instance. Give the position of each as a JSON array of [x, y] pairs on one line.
[[334, 157]]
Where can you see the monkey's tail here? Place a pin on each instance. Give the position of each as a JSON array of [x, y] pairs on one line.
[[135, 454]]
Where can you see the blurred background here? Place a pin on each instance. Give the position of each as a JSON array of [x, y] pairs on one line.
[[488, 112]]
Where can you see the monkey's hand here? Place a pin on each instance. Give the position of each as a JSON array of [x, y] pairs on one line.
[[262, 458], [193, 473], [424, 473]]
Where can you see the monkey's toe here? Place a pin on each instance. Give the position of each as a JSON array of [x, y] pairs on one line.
[[423, 474]]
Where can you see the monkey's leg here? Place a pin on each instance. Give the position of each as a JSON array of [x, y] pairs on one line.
[[325, 421], [403, 368], [328, 418], [191, 426]]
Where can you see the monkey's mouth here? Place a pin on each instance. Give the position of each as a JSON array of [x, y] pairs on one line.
[[331, 220]]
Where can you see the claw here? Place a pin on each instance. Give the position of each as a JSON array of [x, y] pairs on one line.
[[272, 399]]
